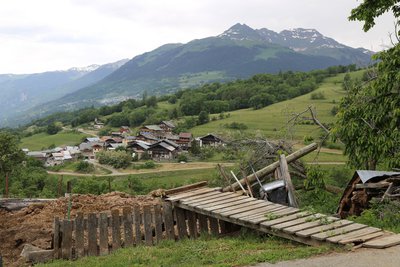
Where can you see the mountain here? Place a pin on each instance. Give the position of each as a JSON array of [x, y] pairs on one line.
[[20, 93], [237, 53]]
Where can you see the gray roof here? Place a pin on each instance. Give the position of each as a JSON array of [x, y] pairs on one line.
[[170, 124], [153, 127], [365, 176], [36, 154], [273, 185], [92, 139]]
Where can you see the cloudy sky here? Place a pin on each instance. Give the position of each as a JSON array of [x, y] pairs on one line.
[[42, 35]]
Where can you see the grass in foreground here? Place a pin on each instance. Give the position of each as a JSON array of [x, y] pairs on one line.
[[228, 251]]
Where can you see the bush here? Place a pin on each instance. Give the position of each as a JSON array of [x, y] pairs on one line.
[[84, 167], [147, 165], [317, 96], [334, 110], [117, 159], [236, 126], [308, 139], [182, 157]]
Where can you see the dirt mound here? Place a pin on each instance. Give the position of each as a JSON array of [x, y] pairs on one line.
[[34, 224]]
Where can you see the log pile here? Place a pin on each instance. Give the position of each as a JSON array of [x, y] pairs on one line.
[[366, 186]]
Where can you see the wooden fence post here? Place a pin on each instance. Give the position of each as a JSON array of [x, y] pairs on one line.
[[192, 223], [203, 223], [92, 234], [56, 238], [158, 223], [116, 231], [181, 223], [168, 220], [136, 221], [79, 234], [148, 231], [66, 239], [128, 232], [103, 232], [214, 226]]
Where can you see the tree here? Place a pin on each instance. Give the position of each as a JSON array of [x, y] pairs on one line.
[[369, 115], [11, 156], [53, 129], [203, 117]]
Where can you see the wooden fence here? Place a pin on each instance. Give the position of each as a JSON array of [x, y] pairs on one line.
[[99, 234]]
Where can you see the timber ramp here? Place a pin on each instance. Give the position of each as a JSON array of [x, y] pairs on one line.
[[291, 223]]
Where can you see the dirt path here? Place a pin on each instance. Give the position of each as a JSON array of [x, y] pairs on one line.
[[389, 257], [165, 167]]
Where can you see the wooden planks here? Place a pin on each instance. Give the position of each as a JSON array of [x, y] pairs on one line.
[[353, 234], [311, 224], [103, 233], [191, 193], [383, 242], [296, 221], [323, 228], [338, 231], [92, 234]]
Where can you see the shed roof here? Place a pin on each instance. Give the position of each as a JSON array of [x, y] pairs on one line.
[[366, 175]]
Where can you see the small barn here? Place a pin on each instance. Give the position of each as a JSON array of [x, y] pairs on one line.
[[162, 150], [211, 140], [365, 186]]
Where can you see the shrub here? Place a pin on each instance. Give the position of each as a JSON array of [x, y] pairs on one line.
[[317, 96], [117, 159], [84, 167], [182, 157]]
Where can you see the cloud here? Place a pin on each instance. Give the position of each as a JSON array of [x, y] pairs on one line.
[[46, 34]]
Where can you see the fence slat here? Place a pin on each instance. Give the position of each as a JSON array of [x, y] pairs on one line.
[[158, 223], [103, 231], [148, 231], [128, 220], [67, 239], [56, 238], [116, 231], [192, 222], [203, 223], [92, 234], [214, 226], [181, 223], [136, 222], [79, 236], [168, 220]]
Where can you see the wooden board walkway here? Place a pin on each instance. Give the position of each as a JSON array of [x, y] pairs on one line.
[[279, 220]]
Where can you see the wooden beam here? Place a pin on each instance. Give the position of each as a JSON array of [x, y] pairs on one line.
[[271, 168], [288, 181], [185, 188]]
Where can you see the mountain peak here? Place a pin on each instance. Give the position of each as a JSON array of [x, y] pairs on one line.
[[85, 69], [240, 32]]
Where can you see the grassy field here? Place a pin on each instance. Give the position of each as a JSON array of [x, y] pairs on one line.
[[207, 251], [272, 120], [44, 140]]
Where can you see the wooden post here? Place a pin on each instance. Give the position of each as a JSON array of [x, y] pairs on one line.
[[66, 245], [59, 189], [79, 234], [192, 222], [222, 171], [6, 193], [181, 223], [284, 169], [247, 182], [158, 223], [271, 168], [136, 222], [214, 226], [92, 234], [128, 221], [168, 220], [103, 232], [203, 223], [56, 238], [148, 231], [116, 230]]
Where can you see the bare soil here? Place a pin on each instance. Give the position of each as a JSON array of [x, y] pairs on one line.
[[34, 224]]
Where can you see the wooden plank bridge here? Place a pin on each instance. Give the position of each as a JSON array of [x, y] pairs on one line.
[[291, 223]]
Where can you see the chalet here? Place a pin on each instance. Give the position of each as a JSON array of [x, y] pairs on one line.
[[128, 139], [114, 146], [116, 134], [73, 151], [124, 130], [91, 139], [167, 126], [150, 138], [162, 150], [211, 140], [89, 150], [184, 140], [155, 130], [138, 148], [98, 124], [39, 155], [111, 140]]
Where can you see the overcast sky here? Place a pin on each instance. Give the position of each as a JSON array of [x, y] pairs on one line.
[[42, 35]]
